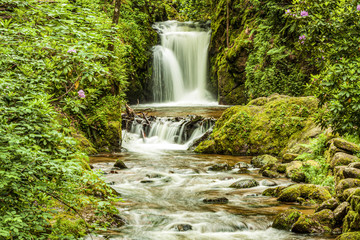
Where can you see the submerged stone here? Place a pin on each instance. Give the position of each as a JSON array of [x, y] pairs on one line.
[[222, 200], [286, 219], [120, 164], [220, 167], [245, 183], [182, 227]]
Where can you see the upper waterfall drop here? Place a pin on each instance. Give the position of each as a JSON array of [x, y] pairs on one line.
[[180, 63]]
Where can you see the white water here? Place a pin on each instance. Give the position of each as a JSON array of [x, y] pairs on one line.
[[180, 65]]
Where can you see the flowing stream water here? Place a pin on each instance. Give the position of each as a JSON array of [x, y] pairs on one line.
[[165, 184]]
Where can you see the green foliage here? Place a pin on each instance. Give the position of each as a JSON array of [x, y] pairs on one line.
[[332, 46], [194, 10], [319, 175]]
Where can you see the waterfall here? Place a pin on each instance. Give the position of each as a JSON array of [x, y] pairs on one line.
[[180, 65]]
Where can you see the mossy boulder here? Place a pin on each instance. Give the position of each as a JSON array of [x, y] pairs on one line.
[[120, 164], [348, 193], [220, 167], [301, 192], [345, 184], [294, 171], [349, 172], [345, 145], [331, 204], [289, 157], [351, 222], [270, 174], [273, 192], [286, 219], [340, 212], [341, 158], [245, 183], [260, 129], [110, 140], [320, 222], [263, 160], [349, 236], [281, 168]]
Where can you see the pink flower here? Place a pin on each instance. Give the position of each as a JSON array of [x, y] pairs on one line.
[[81, 94], [288, 11], [358, 7], [304, 14], [71, 51]]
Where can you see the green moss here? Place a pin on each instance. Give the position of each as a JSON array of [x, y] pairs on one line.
[[260, 129], [67, 227], [304, 191], [349, 236], [286, 219], [351, 222]]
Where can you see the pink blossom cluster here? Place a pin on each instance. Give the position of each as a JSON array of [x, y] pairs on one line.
[[71, 51], [81, 94]]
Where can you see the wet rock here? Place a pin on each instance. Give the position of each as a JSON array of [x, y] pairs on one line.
[[339, 173], [300, 192], [146, 181], [220, 167], [263, 160], [340, 212], [286, 219], [243, 171], [348, 193], [241, 165], [345, 184], [245, 183], [117, 221], [154, 175], [341, 158], [270, 174], [182, 227], [331, 204], [222, 200], [113, 171], [112, 183], [268, 183], [91, 166], [320, 222], [350, 172], [312, 163], [294, 171], [345, 145], [120, 164], [289, 157], [354, 165], [349, 236], [273, 192]]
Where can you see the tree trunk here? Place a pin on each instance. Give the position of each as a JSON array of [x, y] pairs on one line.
[[227, 23], [115, 20]]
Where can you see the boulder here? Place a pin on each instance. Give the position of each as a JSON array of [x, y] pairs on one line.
[[320, 222], [286, 219], [350, 172], [270, 174], [339, 173], [341, 158], [120, 164], [281, 168], [340, 212], [345, 184], [245, 183], [348, 193], [220, 167], [182, 227], [331, 204], [294, 171], [345, 145], [243, 171], [222, 200], [261, 161], [349, 236], [289, 157], [241, 165], [300, 192], [351, 222], [268, 183], [354, 165], [273, 192], [312, 163]]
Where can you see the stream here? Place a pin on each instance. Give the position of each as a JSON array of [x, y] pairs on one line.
[[165, 184]]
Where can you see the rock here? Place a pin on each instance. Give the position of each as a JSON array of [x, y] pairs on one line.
[[281, 168], [294, 171], [146, 181], [286, 219], [243, 171], [320, 222], [345, 184], [348, 146], [270, 174], [350, 172], [354, 165], [340, 212], [120, 164], [117, 221], [348, 193], [222, 200], [355, 203], [297, 192], [154, 175], [339, 173], [341, 158], [351, 222], [312, 163], [245, 183], [336, 231], [263, 160], [289, 157], [241, 165], [273, 192], [331, 204], [268, 183], [349, 236], [182, 227], [220, 167]]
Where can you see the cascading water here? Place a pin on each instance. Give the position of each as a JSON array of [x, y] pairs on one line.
[[180, 68]]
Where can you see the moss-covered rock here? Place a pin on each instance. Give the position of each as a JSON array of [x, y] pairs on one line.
[[260, 129], [349, 236], [350, 172], [245, 183], [341, 158], [263, 160], [286, 219], [298, 192], [110, 140], [345, 184], [281, 168], [331, 204], [82, 142], [270, 174], [345, 145], [351, 222], [289, 157], [340, 212], [320, 222], [294, 171], [273, 192]]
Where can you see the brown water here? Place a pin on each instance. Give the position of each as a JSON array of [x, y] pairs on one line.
[[163, 188]]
